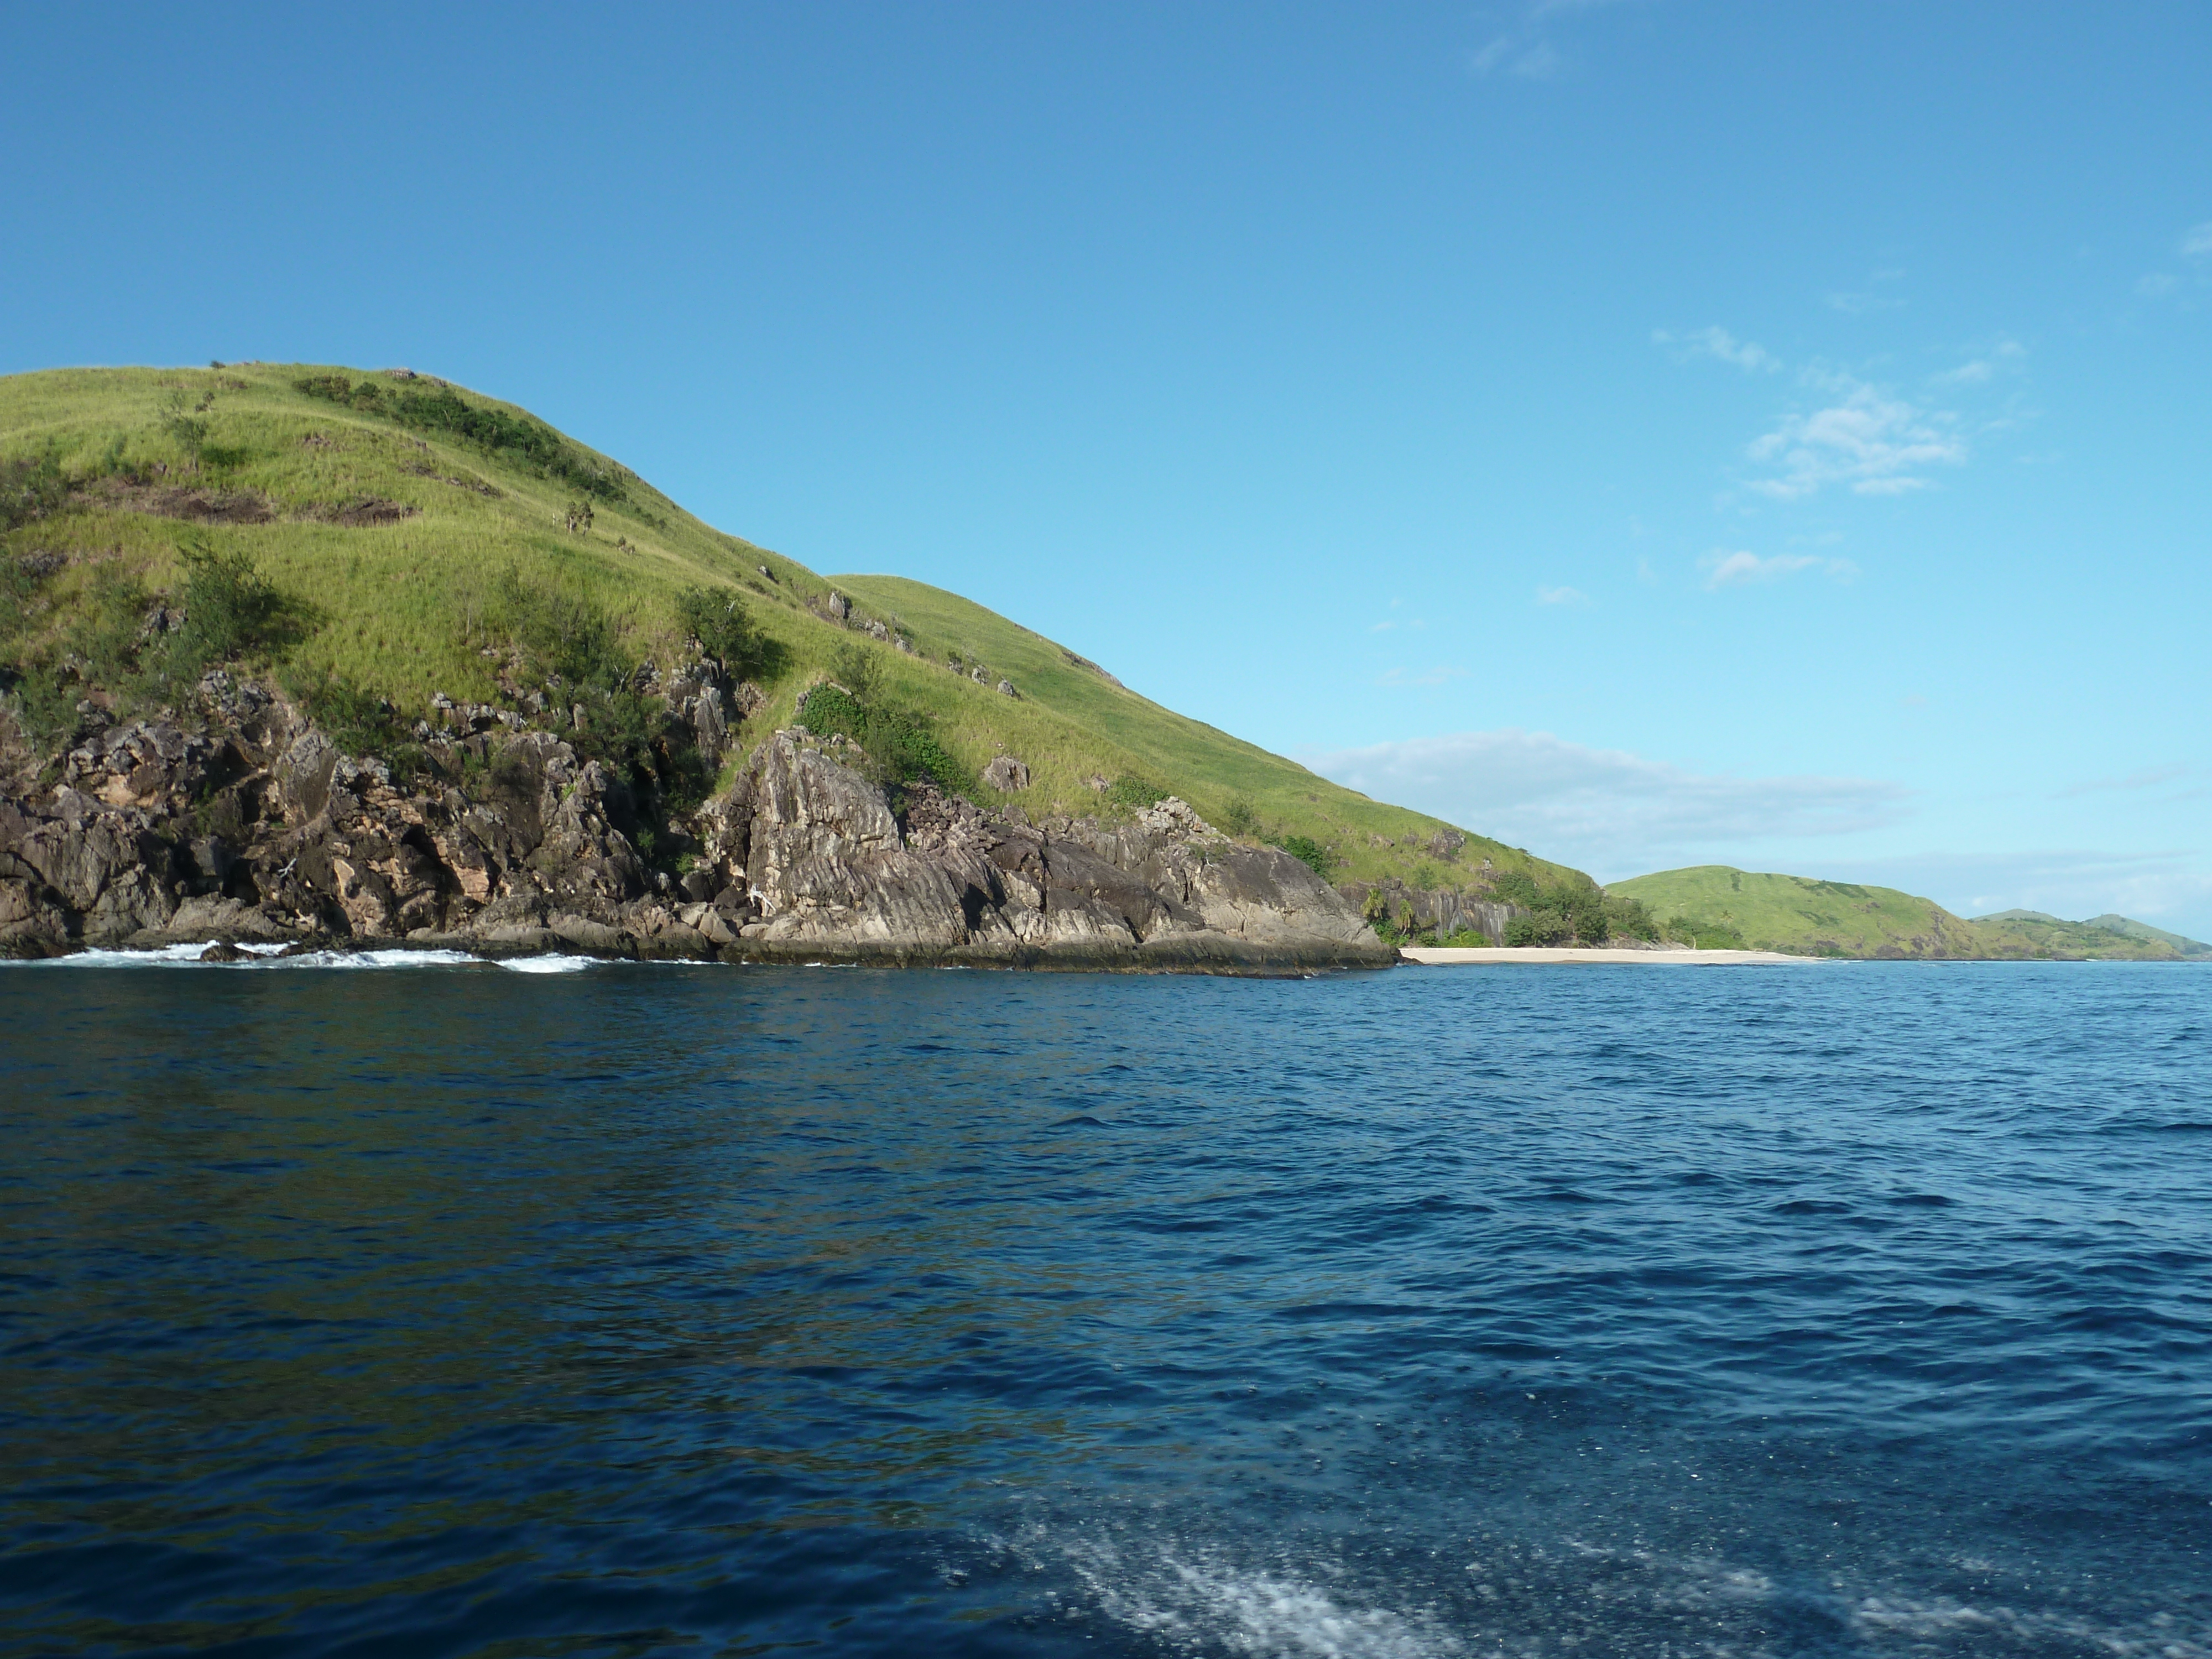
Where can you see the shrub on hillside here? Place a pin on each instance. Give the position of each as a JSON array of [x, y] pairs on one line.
[[1540, 927], [1311, 853], [357, 720], [572, 647], [1133, 793], [231, 610], [1555, 916], [145, 651], [1240, 818], [180, 419], [565, 639], [1625, 915], [858, 669], [1703, 933], [718, 623], [30, 488], [514, 437], [897, 746]]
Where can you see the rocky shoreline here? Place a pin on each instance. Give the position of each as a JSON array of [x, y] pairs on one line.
[[249, 826]]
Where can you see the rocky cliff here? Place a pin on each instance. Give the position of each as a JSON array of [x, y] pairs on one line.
[[242, 822]]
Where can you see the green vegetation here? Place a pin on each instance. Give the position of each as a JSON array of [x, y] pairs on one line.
[[30, 486], [1713, 906], [425, 539], [898, 750], [2143, 930], [142, 653], [724, 631], [1073, 725], [1311, 853], [2100, 937], [510, 437]]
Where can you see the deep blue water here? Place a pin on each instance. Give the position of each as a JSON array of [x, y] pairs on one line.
[[447, 1310]]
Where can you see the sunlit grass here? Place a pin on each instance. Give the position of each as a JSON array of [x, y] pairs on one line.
[[401, 609]]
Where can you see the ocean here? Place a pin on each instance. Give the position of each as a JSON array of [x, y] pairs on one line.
[[431, 1309]]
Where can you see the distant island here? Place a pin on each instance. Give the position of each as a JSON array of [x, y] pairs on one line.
[[1715, 906]]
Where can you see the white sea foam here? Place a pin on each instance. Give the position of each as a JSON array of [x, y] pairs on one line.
[[547, 964], [168, 955], [258, 956], [1200, 1600]]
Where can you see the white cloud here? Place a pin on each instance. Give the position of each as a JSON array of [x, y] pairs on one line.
[[1561, 596], [1614, 813], [2005, 356], [2157, 285], [2197, 242], [1875, 442], [1724, 568], [1717, 342]]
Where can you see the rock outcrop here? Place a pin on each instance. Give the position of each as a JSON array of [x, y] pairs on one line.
[[1441, 912], [246, 824]]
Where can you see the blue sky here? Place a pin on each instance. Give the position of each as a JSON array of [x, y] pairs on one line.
[[1653, 432]]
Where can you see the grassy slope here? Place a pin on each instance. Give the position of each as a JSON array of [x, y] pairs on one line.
[[1828, 918], [1207, 766], [2102, 936], [400, 604], [2133, 929]]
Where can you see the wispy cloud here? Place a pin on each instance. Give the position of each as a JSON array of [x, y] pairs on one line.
[[1717, 342], [2195, 247], [1724, 568], [2005, 355], [2147, 777], [1606, 810], [1858, 303], [1869, 439], [1561, 596], [1526, 49]]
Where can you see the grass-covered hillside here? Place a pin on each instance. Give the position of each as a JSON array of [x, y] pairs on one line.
[[410, 533], [1722, 907], [2098, 936]]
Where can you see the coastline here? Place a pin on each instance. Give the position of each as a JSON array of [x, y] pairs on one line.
[[1435, 956]]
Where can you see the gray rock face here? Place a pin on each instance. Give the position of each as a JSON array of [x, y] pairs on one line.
[[260, 829], [1007, 774], [823, 861], [1442, 912]]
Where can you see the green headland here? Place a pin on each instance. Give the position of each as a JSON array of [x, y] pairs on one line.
[[1720, 907], [413, 531]]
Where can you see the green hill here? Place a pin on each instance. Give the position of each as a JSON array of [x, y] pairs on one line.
[[1716, 905], [2143, 930], [396, 515], [2096, 935]]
